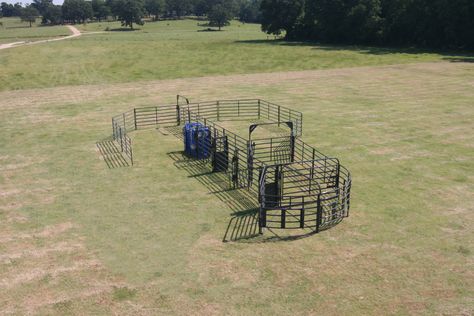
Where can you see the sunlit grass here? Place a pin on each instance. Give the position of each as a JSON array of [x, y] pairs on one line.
[[178, 49], [14, 30], [405, 133]]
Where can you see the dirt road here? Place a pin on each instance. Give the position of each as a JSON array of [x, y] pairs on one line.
[[73, 29]]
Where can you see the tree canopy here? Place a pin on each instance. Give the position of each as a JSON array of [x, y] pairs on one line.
[[77, 10], [130, 12], [440, 23], [29, 14], [279, 15], [155, 7], [220, 15]]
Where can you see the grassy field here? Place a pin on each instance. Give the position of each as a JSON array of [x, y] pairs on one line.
[[14, 30], [180, 49], [79, 238]]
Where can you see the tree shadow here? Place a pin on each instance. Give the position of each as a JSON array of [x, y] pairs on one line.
[[124, 29], [111, 153], [17, 27], [460, 59], [210, 30], [450, 55]]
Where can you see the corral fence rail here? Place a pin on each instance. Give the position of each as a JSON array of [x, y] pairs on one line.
[[297, 186]]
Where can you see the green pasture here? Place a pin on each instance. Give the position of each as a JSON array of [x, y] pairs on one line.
[[180, 49], [78, 237], [14, 30]]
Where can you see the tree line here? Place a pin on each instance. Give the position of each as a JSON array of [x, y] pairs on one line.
[[432, 23], [425, 23], [130, 12]]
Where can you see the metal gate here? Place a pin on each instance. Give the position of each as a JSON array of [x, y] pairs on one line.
[[220, 154]]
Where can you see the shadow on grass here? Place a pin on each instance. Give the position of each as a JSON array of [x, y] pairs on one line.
[[210, 30], [460, 59], [449, 55], [243, 224], [123, 29], [111, 154], [17, 27]]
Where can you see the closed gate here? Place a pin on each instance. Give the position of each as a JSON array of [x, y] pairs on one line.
[[220, 154]]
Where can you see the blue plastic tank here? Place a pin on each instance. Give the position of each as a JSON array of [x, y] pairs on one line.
[[197, 140]]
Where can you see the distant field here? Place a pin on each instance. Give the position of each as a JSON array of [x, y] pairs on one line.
[[178, 49], [15, 31], [78, 238]]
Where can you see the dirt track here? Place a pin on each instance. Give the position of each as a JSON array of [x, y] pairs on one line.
[[74, 30]]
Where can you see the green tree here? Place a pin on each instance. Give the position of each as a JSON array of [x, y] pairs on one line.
[[155, 7], [100, 9], [220, 15], [249, 11], [29, 14], [6, 9], [52, 15], [41, 5], [130, 11], [77, 10], [279, 15], [179, 7]]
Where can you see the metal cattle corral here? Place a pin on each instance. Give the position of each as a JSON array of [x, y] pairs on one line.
[[296, 186]]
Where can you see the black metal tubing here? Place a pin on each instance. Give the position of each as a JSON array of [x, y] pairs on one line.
[[312, 189]]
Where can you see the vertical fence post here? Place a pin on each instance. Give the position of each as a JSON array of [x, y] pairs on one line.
[[338, 170], [121, 141], [124, 120], [292, 148], [324, 171], [218, 114], [238, 108], [258, 109], [301, 124], [271, 148], [344, 206], [291, 120], [178, 115], [319, 213], [302, 215], [131, 153], [278, 115], [156, 115], [135, 117], [283, 218]]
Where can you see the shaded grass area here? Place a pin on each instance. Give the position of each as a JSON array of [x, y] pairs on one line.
[[78, 237], [176, 49], [14, 30]]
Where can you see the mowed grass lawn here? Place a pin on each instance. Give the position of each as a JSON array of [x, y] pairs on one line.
[[79, 238], [179, 49], [14, 30]]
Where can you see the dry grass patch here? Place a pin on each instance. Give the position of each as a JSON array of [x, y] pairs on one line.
[[78, 231]]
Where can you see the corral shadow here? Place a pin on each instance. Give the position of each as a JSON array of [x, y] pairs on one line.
[[243, 224], [111, 153]]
